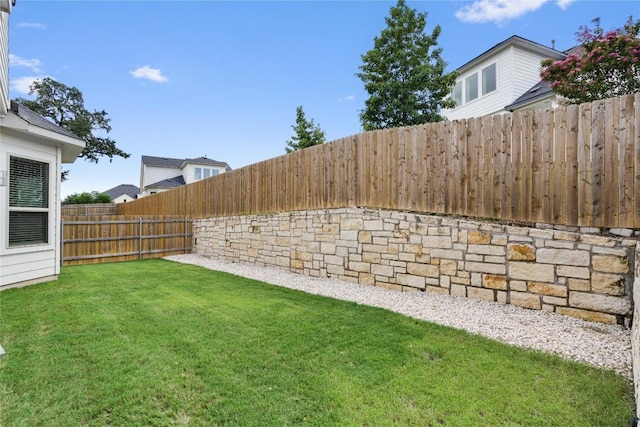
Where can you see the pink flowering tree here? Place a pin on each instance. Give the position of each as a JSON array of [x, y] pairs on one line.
[[606, 64]]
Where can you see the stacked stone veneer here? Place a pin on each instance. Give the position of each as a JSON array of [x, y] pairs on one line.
[[635, 333], [582, 275]]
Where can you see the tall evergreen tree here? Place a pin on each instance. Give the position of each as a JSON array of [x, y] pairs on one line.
[[307, 133], [404, 73]]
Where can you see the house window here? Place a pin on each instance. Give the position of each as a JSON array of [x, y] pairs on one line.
[[214, 172], [198, 174], [28, 202], [457, 93], [207, 173], [489, 79], [471, 87]]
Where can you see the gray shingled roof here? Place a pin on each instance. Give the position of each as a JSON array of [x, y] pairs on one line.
[[128, 189], [538, 91], [176, 181], [180, 163], [206, 161], [37, 120], [161, 161]]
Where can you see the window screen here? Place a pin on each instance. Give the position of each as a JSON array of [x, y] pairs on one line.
[[28, 202]]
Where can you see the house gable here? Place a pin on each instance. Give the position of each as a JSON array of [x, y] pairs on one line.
[[517, 68], [159, 174]]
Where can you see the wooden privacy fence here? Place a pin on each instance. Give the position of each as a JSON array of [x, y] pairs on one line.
[[574, 165], [90, 209], [109, 238]]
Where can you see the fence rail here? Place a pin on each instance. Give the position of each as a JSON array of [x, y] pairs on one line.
[[123, 238], [575, 165]]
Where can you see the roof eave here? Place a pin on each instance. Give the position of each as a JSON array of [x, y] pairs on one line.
[[513, 41], [71, 147]]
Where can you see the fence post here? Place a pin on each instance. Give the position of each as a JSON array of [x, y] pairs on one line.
[[140, 238], [186, 237]]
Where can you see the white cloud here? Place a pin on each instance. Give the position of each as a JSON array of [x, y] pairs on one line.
[[499, 11], [148, 73], [348, 98], [564, 4], [32, 64], [35, 25], [23, 84]]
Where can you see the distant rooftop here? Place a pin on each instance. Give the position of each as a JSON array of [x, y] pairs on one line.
[[181, 163], [128, 189]]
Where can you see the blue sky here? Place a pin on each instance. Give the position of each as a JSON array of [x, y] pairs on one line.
[[223, 79]]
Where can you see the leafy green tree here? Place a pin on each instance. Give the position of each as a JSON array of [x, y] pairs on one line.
[[64, 105], [87, 198], [605, 64], [404, 73], [307, 133]]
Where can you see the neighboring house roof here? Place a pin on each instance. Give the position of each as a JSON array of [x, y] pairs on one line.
[[176, 181], [181, 163], [161, 161], [205, 161], [517, 41], [540, 90], [37, 120], [128, 189]]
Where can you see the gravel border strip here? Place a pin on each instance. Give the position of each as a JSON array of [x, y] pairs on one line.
[[606, 346]]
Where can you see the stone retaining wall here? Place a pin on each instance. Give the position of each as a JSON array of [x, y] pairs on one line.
[[577, 274]]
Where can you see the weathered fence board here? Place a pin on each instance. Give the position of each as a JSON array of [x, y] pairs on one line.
[[90, 209], [574, 165]]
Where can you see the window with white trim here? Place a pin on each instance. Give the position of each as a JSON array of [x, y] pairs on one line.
[[204, 173], [471, 87], [457, 93], [28, 202], [476, 85], [489, 79]]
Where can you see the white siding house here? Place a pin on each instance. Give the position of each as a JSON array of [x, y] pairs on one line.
[[498, 77], [32, 151], [158, 174]]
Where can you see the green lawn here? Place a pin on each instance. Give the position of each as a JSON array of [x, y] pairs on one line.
[[160, 343]]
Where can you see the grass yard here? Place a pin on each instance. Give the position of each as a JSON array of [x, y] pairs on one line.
[[160, 343]]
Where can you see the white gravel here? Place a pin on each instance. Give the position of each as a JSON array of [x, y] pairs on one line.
[[607, 346]]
